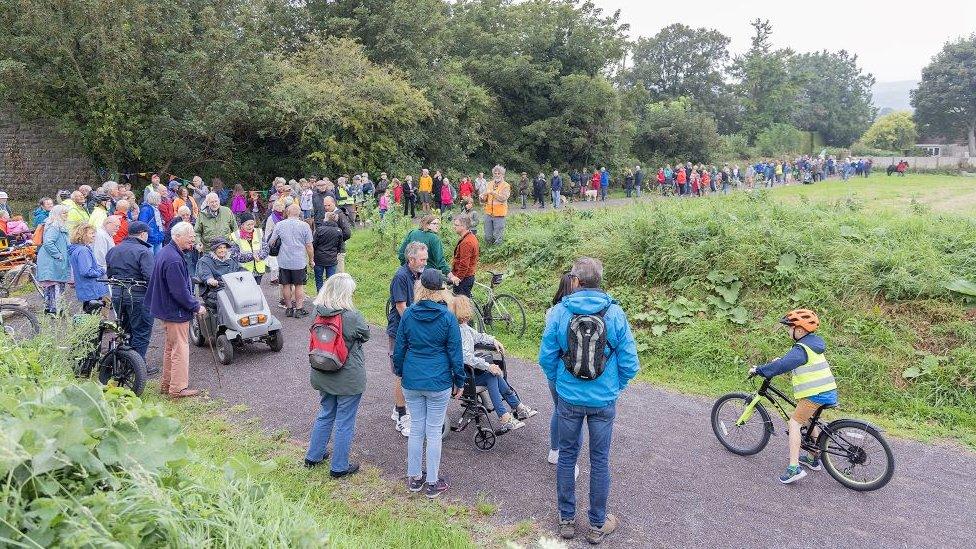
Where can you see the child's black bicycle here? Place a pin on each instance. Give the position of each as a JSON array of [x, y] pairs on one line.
[[852, 451]]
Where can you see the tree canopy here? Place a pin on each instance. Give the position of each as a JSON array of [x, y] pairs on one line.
[[892, 132], [945, 100], [255, 89]]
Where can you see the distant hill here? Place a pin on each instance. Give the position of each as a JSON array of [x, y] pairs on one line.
[[893, 96]]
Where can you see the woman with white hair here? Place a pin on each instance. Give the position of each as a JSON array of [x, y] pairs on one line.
[[53, 267], [149, 214], [341, 384]]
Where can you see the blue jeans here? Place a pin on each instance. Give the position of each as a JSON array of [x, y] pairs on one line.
[[340, 411], [192, 256], [554, 421], [603, 193], [599, 423], [555, 198], [427, 412], [328, 270], [499, 391]]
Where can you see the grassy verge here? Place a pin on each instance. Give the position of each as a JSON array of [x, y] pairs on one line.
[[361, 511], [704, 281]]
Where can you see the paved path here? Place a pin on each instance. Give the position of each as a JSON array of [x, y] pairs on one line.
[[673, 484]]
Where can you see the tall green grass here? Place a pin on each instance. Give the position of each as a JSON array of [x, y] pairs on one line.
[[704, 282]]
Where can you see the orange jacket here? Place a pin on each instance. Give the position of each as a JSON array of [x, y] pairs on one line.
[[465, 260], [497, 207]]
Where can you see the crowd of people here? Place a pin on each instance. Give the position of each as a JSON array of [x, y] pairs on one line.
[[179, 235]]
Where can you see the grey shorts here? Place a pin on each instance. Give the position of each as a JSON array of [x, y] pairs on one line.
[[424, 197]]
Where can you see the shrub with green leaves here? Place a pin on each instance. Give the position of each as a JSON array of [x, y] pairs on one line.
[[83, 465]]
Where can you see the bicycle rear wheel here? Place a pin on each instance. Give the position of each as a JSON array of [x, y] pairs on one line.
[[477, 319], [18, 323], [746, 439], [505, 315], [856, 455]]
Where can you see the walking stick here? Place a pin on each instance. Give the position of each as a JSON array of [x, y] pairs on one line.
[[213, 353]]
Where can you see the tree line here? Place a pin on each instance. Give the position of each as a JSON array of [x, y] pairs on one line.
[[252, 89]]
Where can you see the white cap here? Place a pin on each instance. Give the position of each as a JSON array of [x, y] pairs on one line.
[[3, 195]]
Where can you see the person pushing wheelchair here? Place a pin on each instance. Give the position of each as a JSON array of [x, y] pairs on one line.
[[814, 385]]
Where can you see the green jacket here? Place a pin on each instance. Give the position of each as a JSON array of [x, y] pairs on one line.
[[351, 378], [211, 226], [435, 249]]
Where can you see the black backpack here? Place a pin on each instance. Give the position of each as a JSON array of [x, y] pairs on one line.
[[586, 337]]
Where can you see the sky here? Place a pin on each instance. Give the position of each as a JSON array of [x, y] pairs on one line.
[[893, 39]]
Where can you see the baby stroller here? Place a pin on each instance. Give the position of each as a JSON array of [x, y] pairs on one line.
[[475, 402]]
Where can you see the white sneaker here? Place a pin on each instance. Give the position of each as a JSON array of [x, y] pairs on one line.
[[553, 457], [403, 425]]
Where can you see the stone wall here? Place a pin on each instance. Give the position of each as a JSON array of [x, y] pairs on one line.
[[36, 160]]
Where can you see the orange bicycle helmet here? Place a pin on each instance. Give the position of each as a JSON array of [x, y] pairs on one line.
[[804, 318]]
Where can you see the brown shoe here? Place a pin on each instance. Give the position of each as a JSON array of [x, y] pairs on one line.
[[185, 393], [597, 535]]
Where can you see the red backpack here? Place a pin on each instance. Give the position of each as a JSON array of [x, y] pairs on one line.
[[327, 350]]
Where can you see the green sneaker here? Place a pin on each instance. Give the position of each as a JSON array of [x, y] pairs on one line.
[[811, 462], [793, 473]]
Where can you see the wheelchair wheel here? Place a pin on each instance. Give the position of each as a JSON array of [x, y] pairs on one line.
[[196, 334], [484, 439]]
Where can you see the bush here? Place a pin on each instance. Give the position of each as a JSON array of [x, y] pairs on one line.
[[779, 139], [893, 132], [860, 149], [735, 147], [89, 466]]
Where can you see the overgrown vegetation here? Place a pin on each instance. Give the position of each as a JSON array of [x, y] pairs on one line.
[[88, 466], [704, 282]]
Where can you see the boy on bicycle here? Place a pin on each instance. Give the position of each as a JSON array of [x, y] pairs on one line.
[[813, 384]]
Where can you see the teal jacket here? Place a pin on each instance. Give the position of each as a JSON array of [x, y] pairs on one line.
[[427, 355], [622, 363]]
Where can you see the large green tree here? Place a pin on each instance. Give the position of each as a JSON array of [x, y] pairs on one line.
[[945, 100], [681, 61], [133, 95], [833, 96], [765, 89], [674, 131]]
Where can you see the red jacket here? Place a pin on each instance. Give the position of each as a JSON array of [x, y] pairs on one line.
[[465, 259], [467, 188], [123, 228], [595, 181], [166, 211]]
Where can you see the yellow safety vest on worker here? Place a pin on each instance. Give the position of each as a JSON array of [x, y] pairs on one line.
[[813, 377], [256, 266]]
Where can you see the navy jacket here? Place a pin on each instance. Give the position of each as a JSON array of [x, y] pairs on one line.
[[556, 183], [169, 294], [427, 355], [794, 359], [132, 258]]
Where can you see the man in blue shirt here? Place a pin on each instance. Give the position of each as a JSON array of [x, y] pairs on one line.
[[593, 400], [401, 297], [604, 183]]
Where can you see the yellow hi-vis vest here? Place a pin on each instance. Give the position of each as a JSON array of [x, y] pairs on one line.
[[256, 266], [814, 377], [344, 199]]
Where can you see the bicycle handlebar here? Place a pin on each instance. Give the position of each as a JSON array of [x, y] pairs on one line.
[[124, 282]]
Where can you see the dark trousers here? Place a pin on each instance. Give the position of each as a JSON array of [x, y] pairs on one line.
[[409, 205], [327, 270], [137, 321], [464, 287]]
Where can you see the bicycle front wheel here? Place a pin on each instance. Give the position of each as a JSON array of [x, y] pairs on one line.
[[125, 368], [506, 316], [856, 455], [18, 323], [746, 439]]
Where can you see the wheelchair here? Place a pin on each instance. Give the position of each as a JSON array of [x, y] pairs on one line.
[[475, 403]]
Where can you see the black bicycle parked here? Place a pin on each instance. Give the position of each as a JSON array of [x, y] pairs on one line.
[[118, 363]]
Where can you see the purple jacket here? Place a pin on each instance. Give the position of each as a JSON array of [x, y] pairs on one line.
[[168, 294]]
